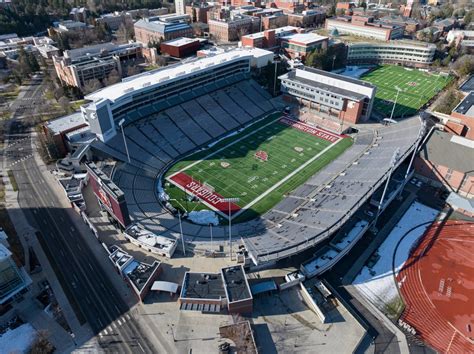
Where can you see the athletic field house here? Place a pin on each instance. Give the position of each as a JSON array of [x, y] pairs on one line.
[[201, 143]]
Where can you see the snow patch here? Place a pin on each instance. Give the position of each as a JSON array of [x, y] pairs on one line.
[[204, 217], [17, 340], [355, 71], [377, 283]]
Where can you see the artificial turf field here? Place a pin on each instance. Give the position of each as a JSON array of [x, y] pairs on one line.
[[258, 165], [417, 87]]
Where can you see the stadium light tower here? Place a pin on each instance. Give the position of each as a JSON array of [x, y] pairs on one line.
[[181, 231], [396, 99], [123, 136], [230, 200], [393, 162]]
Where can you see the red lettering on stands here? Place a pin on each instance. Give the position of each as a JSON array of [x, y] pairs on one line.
[[331, 137]]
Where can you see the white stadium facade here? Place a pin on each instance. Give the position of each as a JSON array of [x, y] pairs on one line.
[[169, 113], [415, 54]]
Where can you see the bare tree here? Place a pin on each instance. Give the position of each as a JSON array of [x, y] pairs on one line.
[[64, 104], [91, 86]]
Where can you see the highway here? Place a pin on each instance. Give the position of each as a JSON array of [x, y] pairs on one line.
[[87, 286]]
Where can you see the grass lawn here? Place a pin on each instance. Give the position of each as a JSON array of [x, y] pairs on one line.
[[230, 168], [417, 87]]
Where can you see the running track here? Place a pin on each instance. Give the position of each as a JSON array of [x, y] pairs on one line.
[[437, 285]]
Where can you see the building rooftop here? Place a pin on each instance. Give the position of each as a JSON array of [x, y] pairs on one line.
[[149, 238], [165, 74], [304, 38], [449, 150], [181, 41], [161, 26], [466, 106], [235, 283], [331, 82], [278, 32], [60, 125], [140, 273], [468, 85], [106, 182], [202, 286], [94, 50]]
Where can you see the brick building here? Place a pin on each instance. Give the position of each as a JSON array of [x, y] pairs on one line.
[[155, 30], [308, 18], [198, 13], [447, 160], [462, 118], [364, 26], [77, 66], [180, 47], [328, 95], [232, 29]]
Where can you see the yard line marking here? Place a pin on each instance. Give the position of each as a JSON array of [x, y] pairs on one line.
[[278, 184]]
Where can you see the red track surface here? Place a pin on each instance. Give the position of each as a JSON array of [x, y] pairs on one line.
[[438, 287]]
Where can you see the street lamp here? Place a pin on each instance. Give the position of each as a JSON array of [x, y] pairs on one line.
[[393, 162], [275, 78], [181, 231], [124, 140], [333, 60], [230, 200], [396, 98]]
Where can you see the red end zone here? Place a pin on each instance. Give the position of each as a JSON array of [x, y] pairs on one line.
[[210, 198], [320, 133]]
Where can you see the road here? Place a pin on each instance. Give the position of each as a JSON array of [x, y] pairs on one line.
[[87, 286]]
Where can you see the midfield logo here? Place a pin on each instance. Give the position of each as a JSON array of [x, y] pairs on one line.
[[261, 155]]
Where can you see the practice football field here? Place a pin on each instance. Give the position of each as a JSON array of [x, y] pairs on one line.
[[417, 88], [258, 166]]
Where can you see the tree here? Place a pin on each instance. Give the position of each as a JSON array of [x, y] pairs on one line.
[[469, 17], [448, 102], [91, 86], [132, 70], [112, 78], [464, 65], [41, 344], [64, 104]]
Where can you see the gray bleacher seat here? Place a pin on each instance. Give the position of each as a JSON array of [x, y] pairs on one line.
[[231, 107], [201, 117], [246, 104], [172, 134], [254, 95], [216, 112], [184, 122]]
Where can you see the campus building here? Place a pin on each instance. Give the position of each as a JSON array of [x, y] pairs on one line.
[[446, 160], [154, 29], [298, 45], [232, 29], [330, 95], [77, 66], [115, 20], [307, 18], [212, 292], [294, 42], [153, 91], [409, 53], [364, 27], [13, 279], [180, 47], [462, 117]]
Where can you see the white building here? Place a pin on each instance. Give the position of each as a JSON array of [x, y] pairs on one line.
[[13, 280], [410, 53], [153, 91], [180, 7]]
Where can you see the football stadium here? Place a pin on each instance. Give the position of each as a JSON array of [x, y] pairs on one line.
[[257, 166], [416, 88], [290, 171]]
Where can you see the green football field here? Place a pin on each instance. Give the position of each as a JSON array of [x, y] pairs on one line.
[[417, 88], [258, 166]]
